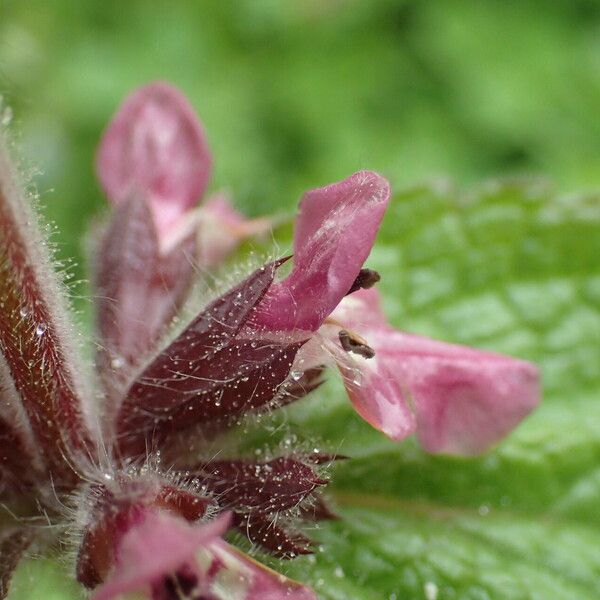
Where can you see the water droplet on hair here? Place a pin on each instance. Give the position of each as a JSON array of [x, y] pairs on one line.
[[40, 329], [117, 362], [431, 590], [6, 116]]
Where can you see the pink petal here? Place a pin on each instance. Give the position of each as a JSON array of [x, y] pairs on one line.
[[218, 228], [373, 390], [234, 572], [110, 512], [464, 400], [377, 395], [154, 549], [155, 146], [223, 228], [163, 546], [335, 231]]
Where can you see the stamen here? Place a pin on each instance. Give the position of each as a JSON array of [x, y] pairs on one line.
[[365, 279], [351, 342], [182, 585]]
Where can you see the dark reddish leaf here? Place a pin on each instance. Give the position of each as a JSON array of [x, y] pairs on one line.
[[278, 540], [17, 471], [139, 289], [244, 376], [183, 503], [318, 510], [206, 375], [96, 551], [267, 486], [33, 335], [12, 545], [21, 465]]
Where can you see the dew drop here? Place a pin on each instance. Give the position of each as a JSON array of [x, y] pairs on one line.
[[117, 362], [431, 590], [296, 375], [41, 329], [7, 115], [23, 312]]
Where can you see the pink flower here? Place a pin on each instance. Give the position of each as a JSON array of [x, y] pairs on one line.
[[164, 556], [155, 151], [133, 448], [459, 400], [334, 233], [155, 148], [154, 165]]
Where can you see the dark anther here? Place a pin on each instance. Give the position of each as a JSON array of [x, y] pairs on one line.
[[353, 343], [365, 279]]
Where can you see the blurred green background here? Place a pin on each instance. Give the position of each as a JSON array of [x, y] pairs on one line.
[[296, 94]]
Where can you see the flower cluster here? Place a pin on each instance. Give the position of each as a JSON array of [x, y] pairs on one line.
[[128, 443]]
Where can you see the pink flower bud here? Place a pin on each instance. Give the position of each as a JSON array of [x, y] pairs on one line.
[[155, 148]]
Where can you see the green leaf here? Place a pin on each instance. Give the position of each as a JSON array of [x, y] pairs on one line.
[[510, 267], [389, 549], [49, 579]]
